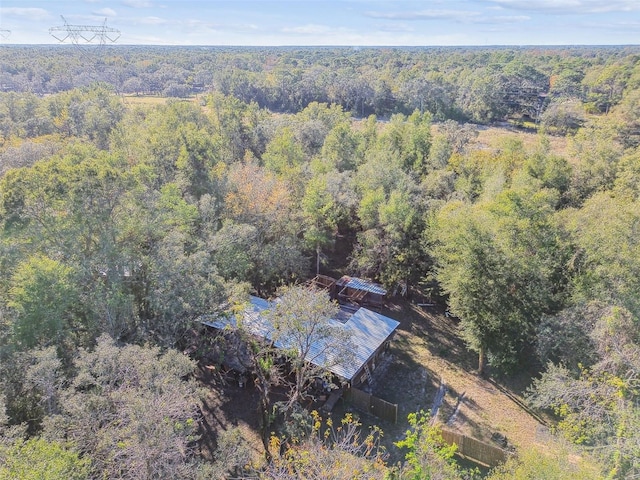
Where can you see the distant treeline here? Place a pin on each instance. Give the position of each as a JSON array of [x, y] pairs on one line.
[[479, 84]]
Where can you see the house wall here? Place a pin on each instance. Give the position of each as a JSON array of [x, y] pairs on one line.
[[374, 360]]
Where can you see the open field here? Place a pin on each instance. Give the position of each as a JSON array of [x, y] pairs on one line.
[[491, 138], [152, 100]]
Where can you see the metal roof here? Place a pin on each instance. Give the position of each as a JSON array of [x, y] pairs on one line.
[[360, 284], [368, 330]]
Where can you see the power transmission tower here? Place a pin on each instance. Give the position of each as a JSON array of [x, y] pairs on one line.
[[78, 34], [81, 37]]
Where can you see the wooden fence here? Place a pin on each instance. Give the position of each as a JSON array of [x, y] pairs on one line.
[[372, 405], [476, 450]]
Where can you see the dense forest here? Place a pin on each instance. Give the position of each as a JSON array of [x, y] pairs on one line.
[[464, 84], [123, 222]]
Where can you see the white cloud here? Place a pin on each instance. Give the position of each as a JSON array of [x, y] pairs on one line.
[[314, 29], [460, 16], [35, 14], [202, 26], [397, 28], [310, 29], [633, 26], [571, 6], [195, 23], [106, 12], [457, 15], [153, 20], [137, 3], [503, 19]]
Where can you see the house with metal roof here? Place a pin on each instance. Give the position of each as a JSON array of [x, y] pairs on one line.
[[369, 331]]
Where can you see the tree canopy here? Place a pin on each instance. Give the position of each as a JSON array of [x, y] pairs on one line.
[[126, 219]]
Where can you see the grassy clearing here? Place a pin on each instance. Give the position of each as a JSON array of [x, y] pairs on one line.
[[493, 137], [426, 352], [152, 100]]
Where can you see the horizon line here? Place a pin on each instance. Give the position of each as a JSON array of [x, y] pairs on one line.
[[355, 47]]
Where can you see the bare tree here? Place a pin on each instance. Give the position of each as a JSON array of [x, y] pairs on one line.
[[303, 320], [130, 410]]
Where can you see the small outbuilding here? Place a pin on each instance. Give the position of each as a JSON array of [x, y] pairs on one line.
[[360, 292]]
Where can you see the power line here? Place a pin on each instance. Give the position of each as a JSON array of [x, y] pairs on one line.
[[4, 34], [78, 34], [81, 35]]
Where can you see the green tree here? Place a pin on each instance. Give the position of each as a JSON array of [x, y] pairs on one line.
[[390, 212], [238, 127], [606, 85], [258, 198], [553, 171], [332, 452], [427, 455], [597, 151], [233, 249], [563, 116], [42, 298], [502, 265], [555, 463], [90, 112], [155, 139], [38, 458], [480, 95], [284, 155], [597, 404], [340, 148], [628, 111], [195, 162], [182, 285], [604, 229], [388, 247], [74, 209], [564, 338], [410, 139], [31, 382], [315, 122], [627, 183], [320, 215]]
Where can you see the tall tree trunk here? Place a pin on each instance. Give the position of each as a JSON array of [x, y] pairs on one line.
[[318, 251], [265, 419], [481, 361], [264, 427]]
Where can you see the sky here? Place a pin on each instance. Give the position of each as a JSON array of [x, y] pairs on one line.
[[327, 22]]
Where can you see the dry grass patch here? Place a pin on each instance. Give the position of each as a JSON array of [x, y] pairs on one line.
[[152, 100], [426, 352], [493, 137]]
